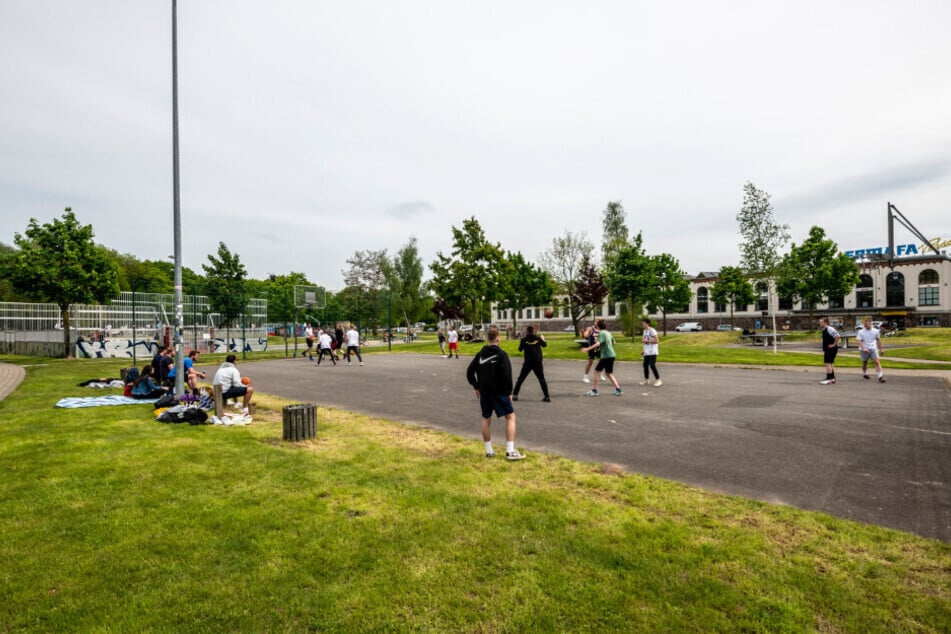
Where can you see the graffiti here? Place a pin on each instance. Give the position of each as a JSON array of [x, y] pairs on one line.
[[146, 348]]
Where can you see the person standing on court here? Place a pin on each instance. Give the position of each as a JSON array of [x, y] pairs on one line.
[[490, 373], [309, 337], [325, 342], [353, 344], [830, 348], [453, 338], [605, 346], [870, 347], [649, 352], [531, 346], [442, 342]]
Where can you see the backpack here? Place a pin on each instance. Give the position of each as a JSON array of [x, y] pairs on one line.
[[168, 400]]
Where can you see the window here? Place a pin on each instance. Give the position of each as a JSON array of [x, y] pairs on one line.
[[762, 299], [928, 293], [566, 310], [837, 301], [612, 309], [785, 303], [895, 289], [519, 313], [702, 299], [719, 308], [864, 292]]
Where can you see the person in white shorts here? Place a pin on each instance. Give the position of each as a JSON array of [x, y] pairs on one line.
[[870, 347]]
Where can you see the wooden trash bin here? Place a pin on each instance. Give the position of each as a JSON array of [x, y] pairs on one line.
[[300, 421]]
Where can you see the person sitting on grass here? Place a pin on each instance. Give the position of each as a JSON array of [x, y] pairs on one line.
[[145, 387]]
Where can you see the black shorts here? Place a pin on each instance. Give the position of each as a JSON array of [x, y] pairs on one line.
[[310, 342], [828, 354], [606, 364], [501, 405], [235, 391]]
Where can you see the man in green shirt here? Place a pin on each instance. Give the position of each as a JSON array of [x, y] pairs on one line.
[[605, 345]]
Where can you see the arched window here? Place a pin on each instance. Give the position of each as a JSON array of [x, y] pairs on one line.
[[895, 289], [928, 293], [864, 292], [762, 296], [702, 299]]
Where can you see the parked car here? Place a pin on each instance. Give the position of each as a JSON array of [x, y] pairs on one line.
[[728, 328], [688, 326]]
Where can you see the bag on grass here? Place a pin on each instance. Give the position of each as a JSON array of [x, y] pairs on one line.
[[168, 400], [182, 414]]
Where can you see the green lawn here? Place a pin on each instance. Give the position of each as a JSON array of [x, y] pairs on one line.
[[114, 522]]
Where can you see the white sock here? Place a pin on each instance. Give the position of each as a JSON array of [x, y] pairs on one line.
[[510, 446], [488, 447], [880, 373]]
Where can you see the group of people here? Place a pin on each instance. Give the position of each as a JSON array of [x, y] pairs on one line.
[[870, 349], [331, 344], [158, 377]]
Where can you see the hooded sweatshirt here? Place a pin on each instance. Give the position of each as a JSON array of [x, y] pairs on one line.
[[490, 371]]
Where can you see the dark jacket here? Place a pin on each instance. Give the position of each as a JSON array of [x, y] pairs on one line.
[[490, 372], [532, 346]]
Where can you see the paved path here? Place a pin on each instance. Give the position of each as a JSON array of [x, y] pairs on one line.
[[876, 453], [10, 377]]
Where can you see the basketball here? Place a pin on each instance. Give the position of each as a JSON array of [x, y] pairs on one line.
[[245, 380], [549, 313]]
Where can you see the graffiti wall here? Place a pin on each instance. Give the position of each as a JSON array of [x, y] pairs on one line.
[[146, 348]]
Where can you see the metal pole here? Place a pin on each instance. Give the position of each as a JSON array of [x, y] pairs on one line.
[[134, 342], [176, 206], [389, 321]]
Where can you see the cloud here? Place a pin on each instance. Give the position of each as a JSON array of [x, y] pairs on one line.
[[409, 210]]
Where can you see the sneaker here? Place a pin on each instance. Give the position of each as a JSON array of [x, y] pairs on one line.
[[515, 397], [865, 376], [645, 382], [617, 392], [348, 363], [881, 379], [827, 382], [361, 363], [490, 454], [586, 379], [604, 377], [591, 393], [514, 455], [658, 383], [548, 400]]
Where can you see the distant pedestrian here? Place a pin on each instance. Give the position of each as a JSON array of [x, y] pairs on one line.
[[605, 346], [453, 338], [353, 344], [649, 352], [830, 348], [309, 338], [490, 373], [870, 347], [531, 346], [325, 342], [338, 340], [441, 335]]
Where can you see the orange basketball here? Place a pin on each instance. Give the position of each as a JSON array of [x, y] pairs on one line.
[[245, 380], [549, 313]]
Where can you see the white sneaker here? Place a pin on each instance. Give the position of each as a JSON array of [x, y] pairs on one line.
[[604, 377], [586, 379], [658, 383], [645, 382], [514, 455], [361, 363]]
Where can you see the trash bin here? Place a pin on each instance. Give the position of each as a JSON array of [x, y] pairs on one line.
[[300, 421]]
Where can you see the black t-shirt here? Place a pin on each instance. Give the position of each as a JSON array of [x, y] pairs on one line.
[[532, 346]]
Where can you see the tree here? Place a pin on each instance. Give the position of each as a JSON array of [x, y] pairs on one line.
[[367, 275], [614, 233], [588, 292], [281, 308], [225, 286], [522, 285], [816, 270], [407, 283], [763, 238], [671, 293], [564, 260], [631, 275], [469, 278], [59, 262], [733, 287]]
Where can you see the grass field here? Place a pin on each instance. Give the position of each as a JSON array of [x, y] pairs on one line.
[[114, 522]]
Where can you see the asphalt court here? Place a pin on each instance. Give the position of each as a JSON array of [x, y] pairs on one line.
[[870, 452]]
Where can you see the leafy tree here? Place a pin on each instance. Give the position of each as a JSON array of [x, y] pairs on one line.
[[7, 292], [631, 275], [522, 285], [469, 278], [671, 293], [59, 262], [365, 277], [815, 271], [763, 238], [733, 287], [406, 271], [614, 232], [587, 293], [226, 286], [564, 260], [280, 297]]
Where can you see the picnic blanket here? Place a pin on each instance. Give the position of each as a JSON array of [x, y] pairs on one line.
[[100, 401]]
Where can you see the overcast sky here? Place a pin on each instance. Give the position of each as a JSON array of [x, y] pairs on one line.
[[310, 130]]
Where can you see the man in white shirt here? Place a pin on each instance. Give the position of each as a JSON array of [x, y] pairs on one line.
[[229, 378], [453, 339], [309, 335], [870, 347], [353, 344], [325, 341]]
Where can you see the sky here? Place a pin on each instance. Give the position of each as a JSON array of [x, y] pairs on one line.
[[310, 130]]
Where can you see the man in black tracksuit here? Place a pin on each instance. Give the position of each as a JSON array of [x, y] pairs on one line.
[[531, 345], [490, 373]]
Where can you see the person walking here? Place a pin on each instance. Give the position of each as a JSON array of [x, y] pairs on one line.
[[309, 337], [353, 344], [605, 346], [441, 335], [531, 346], [325, 341], [453, 339], [830, 348], [870, 347], [490, 373], [649, 352]]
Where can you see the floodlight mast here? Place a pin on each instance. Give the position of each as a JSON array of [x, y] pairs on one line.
[[177, 215], [893, 215]]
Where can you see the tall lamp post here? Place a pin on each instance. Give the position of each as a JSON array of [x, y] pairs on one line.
[[177, 214]]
